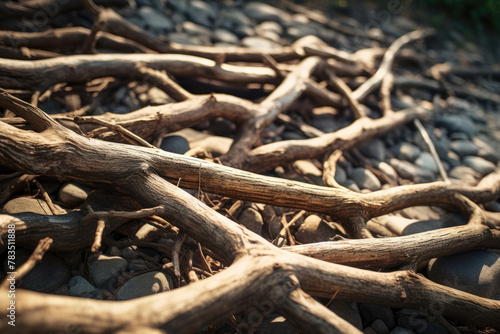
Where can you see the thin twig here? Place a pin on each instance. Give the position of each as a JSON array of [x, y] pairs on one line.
[[101, 224], [37, 255], [200, 250], [329, 169], [175, 255], [47, 199], [354, 105], [115, 127], [286, 229], [432, 149]]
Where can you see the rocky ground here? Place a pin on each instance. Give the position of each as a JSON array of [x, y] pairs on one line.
[[465, 133]]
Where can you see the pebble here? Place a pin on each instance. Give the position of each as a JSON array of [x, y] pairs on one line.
[[348, 311], [372, 312], [149, 233], [175, 144], [269, 26], [184, 38], [259, 43], [480, 165], [155, 20], [80, 287], [46, 276], [486, 150], [476, 272], [106, 269], [387, 169], [464, 174], [263, 12], [365, 179], [380, 327], [73, 194], [221, 35], [401, 330], [236, 22], [145, 284], [409, 171], [276, 324], [351, 185], [404, 226], [457, 123], [374, 149], [314, 229], [340, 175], [271, 218], [194, 29], [178, 5], [156, 96], [252, 220], [309, 170], [464, 148], [202, 12], [28, 204], [419, 324], [407, 151], [299, 30], [425, 160]]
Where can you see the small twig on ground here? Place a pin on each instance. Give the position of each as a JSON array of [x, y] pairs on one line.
[[37, 255]]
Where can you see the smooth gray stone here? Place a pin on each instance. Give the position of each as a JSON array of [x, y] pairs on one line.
[[236, 22], [225, 36], [457, 123], [419, 324], [374, 149], [252, 220], [269, 26], [464, 148], [365, 179], [486, 150], [274, 324], [184, 38], [80, 287], [106, 269], [46, 276], [202, 12], [351, 184], [263, 12], [425, 160], [476, 272], [340, 175], [480, 165], [401, 330], [259, 43], [178, 5], [407, 151], [348, 311], [155, 20], [464, 173], [175, 144], [404, 226], [144, 285], [380, 327], [298, 30], [372, 312], [194, 29], [387, 170], [73, 194], [409, 171]]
